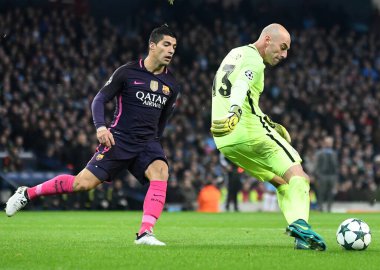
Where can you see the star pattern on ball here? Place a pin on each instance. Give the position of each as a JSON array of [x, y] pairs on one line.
[[359, 235], [344, 228]]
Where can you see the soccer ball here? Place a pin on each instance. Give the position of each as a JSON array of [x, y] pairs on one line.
[[353, 234]]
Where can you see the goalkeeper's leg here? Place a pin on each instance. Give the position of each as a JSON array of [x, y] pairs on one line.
[[271, 156], [294, 202]]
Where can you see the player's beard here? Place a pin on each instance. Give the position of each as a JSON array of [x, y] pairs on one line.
[[164, 64], [166, 61]]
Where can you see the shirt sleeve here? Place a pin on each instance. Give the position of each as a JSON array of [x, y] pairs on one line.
[[167, 112], [246, 76], [238, 93], [112, 87], [248, 71]]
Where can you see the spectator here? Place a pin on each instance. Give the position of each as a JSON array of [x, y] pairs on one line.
[[233, 186], [52, 64], [326, 172], [209, 197], [188, 192]]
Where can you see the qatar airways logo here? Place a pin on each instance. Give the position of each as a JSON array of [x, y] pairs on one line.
[[152, 100]]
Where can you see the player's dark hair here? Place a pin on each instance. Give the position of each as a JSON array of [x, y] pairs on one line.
[[159, 33]]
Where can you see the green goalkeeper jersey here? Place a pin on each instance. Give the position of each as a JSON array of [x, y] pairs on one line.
[[242, 63]]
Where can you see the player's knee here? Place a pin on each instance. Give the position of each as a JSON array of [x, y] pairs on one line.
[[158, 170], [165, 175], [160, 174], [296, 170], [83, 184], [277, 181], [307, 178]]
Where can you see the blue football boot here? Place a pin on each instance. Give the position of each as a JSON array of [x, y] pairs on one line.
[[302, 231], [300, 244]]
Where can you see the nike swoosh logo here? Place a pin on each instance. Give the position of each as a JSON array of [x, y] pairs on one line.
[[137, 83], [61, 184], [302, 227]]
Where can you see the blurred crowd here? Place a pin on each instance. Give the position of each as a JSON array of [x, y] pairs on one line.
[[53, 63]]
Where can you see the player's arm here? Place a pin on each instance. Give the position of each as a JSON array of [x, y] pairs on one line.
[[167, 112], [239, 89], [107, 93], [280, 129]]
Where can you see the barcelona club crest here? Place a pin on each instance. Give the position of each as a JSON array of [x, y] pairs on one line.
[[166, 90], [99, 157], [154, 86]]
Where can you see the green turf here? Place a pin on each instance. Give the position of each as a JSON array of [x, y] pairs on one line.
[[104, 240]]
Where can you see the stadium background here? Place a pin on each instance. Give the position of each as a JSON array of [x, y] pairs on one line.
[[55, 56]]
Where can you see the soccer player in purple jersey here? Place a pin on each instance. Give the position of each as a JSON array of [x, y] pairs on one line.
[[146, 93]]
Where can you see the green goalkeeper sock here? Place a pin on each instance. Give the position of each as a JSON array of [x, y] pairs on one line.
[[281, 192], [294, 200]]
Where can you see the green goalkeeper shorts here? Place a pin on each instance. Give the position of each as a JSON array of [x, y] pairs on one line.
[[263, 158]]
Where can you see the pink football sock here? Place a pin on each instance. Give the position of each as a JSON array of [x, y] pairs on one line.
[[58, 185], [153, 204]]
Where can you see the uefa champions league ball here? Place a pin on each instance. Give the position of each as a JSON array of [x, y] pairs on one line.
[[353, 234]]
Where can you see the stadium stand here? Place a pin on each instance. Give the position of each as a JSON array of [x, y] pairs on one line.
[[53, 61]]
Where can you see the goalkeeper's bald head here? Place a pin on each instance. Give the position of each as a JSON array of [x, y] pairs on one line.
[[273, 43]]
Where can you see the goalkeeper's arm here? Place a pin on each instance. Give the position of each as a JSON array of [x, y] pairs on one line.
[[226, 125], [280, 129]]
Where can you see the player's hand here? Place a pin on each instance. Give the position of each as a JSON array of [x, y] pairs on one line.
[[105, 137], [280, 129], [226, 125]]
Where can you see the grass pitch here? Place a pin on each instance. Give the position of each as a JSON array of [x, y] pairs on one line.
[[104, 240]]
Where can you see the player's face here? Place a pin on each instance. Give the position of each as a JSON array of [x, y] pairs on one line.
[[164, 50], [277, 49]]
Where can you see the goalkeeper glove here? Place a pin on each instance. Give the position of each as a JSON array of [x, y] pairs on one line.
[[280, 129], [222, 127]]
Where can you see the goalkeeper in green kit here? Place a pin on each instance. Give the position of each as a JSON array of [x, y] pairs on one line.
[[247, 137]]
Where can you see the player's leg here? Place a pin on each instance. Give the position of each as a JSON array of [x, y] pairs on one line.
[[271, 156], [243, 156], [101, 167], [61, 184], [282, 189], [151, 166], [284, 161], [295, 200], [157, 173], [297, 207]]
